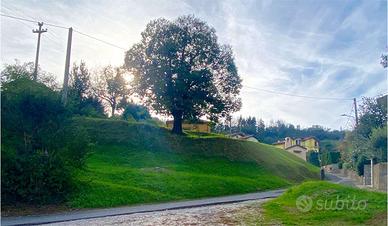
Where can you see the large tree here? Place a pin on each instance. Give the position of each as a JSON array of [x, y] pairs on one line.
[[180, 70], [111, 86], [82, 99]]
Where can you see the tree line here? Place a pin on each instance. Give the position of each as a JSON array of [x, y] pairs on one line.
[[275, 130]]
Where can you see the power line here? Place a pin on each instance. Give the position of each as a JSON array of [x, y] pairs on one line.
[[19, 18], [297, 95], [32, 21], [92, 37], [63, 27], [119, 47]]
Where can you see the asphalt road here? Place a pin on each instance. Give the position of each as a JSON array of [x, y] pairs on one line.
[[336, 178], [98, 213]]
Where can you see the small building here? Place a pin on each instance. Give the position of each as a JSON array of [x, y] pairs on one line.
[[298, 146], [298, 150], [243, 136], [199, 126]]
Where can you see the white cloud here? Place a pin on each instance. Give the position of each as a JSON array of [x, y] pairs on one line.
[[328, 49]]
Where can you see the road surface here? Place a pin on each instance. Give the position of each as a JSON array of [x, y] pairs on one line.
[[240, 213], [338, 179], [98, 213]]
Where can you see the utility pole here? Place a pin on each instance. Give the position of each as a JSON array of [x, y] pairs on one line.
[[355, 110], [67, 67], [39, 31]]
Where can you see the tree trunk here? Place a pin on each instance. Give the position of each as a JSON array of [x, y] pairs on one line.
[[177, 127], [113, 108]]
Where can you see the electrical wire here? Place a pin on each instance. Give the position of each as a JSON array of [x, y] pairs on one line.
[[121, 48], [63, 27], [100, 40], [33, 21], [297, 95]]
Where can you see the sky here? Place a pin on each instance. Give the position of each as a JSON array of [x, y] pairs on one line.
[[328, 48]]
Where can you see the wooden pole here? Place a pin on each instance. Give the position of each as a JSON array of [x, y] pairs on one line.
[[39, 31], [355, 110], [67, 67]]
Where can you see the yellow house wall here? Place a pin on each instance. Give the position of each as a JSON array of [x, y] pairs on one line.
[[310, 144]]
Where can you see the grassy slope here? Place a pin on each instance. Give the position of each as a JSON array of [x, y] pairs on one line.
[[137, 163], [283, 209]]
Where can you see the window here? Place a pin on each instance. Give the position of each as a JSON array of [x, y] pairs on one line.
[[298, 142]]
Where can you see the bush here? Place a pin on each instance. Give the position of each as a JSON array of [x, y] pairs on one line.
[[330, 158], [360, 162], [312, 157], [136, 112], [35, 178], [85, 106], [378, 142], [39, 152]]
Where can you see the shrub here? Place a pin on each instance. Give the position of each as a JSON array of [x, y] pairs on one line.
[[330, 158], [39, 152], [136, 112], [34, 177], [360, 162], [378, 142], [86, 106], [312, 157]]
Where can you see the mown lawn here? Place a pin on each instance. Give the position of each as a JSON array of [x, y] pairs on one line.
[[134, 163], [121, 176], [354, 206]]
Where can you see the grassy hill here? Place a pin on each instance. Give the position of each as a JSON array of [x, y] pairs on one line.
[[137, 163], [331, 204]]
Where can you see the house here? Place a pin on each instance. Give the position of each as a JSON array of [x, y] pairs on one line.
[[298, 146], [199, 126], [243, 136]]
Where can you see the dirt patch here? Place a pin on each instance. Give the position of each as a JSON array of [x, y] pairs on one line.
[[244, 213], [378, 219], [26, 210]]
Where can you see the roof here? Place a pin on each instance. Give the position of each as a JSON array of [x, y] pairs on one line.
[[308, 138], [296, 145], [248, 136], [241, 135], [238, 134], [279, 142], [188, 122], [303, 139]]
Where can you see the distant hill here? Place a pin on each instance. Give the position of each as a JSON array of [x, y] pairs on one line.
[[139, 163]]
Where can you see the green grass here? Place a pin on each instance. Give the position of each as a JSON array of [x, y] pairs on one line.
[[135, 163], [283, 209]]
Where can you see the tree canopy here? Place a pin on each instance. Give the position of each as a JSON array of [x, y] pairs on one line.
[[111, 87], [19, 70], [369, 138], [180, 69]]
